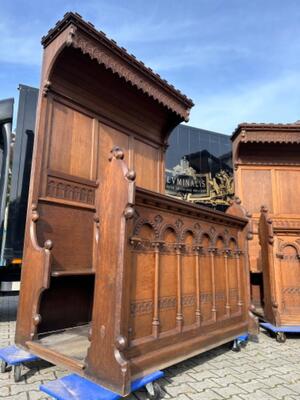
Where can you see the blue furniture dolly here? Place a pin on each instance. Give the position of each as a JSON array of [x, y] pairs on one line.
[[15, 357], [73, 387], [280, 331], [239, 342]]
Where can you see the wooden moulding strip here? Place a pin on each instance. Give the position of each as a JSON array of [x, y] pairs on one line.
[[238, 273], [65, 202], [198, 298], [155, 321], [179, 315], [56, 273], [227, 306], [55, 357], [213, 284]]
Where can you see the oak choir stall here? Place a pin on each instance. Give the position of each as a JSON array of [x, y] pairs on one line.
[[267, 173], [118, 279]]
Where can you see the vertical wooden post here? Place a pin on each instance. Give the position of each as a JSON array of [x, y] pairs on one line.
[[238, 274], [212, 251], [197, 250], [179, 315], [155, 321], [227, 306]]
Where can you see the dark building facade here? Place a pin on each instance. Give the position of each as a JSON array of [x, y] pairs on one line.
[[199, 167]]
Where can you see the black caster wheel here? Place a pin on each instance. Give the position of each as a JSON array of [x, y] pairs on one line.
[[154, 391], [17, 373], [236, 347], [280, 337], [3, 367]]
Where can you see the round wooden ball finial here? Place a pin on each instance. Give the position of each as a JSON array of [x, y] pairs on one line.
[[117, 152], [121, 342], [131, 175], [129, 212], [48, 244], [37, 319]]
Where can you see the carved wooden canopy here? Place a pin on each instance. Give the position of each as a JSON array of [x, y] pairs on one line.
[[267, 133], [266, 144], [83, 36]]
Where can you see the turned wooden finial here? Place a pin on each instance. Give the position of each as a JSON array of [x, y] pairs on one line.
[[121, 342], [131, 175], [264, 209], [48, 244], [117, 153]]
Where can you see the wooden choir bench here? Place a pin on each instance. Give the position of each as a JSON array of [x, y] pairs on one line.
[[118, 279]]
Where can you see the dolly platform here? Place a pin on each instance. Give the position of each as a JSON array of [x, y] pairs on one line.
[[280, 331], [74, 386], [15, 357]]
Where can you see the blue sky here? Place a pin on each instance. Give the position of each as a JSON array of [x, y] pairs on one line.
[[239, 60]]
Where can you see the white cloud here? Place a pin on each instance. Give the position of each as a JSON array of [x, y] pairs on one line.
[[196, 55], [273, 101]]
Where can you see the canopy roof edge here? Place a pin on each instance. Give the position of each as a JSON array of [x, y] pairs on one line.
[[97, 46], [267, 133]]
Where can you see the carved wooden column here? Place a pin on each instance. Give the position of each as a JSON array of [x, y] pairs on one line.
[[197, 250], [227, 306], [212, 251], [179, 315], [237, 254], [155, 321]]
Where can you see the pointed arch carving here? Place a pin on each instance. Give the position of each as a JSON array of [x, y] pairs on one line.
[[189, 230], [219, 236], [207, 234], [144, 221], [174, 228], [283, 245]]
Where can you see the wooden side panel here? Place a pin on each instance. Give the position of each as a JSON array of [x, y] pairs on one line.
[[254, 254], [71, 143], [288, 191], [220, 280], [188, 280], [256, 189], [287, 272], [206, 289], [266, 241], [110, 137], [234, 278], [142, 157], [147, 166], [142, 285], [71, 232], [290, 280], [168, 281]]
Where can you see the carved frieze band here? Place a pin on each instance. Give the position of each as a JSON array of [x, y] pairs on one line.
[[188, 300], [180, 231], [279, 223], [291, 290], [67, 190], [289, 257], [270, 137]]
